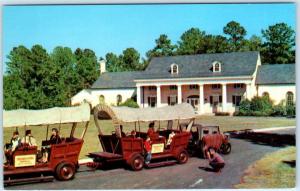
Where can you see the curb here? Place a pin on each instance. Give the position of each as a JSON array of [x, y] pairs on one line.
[[274, 129]]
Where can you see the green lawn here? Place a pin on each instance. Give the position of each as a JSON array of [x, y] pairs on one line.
[[272, 171], [92, 144]]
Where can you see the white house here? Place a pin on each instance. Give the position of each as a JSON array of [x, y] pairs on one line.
[[209, 82]]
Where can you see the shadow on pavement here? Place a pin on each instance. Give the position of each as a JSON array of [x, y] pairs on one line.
[[263, 138], [206, 169]]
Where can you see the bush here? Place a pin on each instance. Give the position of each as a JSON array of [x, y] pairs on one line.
[[222, 114], [129, 103], [279, 110], [262, 104], [291, 110]]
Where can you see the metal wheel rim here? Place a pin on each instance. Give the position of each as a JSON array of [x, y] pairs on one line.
[[137, 163], [67, 172]]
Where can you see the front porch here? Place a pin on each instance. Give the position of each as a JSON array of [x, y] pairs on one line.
[[205, 98]]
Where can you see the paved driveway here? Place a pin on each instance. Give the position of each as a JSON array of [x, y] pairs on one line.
[[190, 175]]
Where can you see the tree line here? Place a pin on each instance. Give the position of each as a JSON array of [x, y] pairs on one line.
[[36, 79]]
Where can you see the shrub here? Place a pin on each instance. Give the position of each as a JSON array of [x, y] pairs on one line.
[[129, 103], [291, 110], [263, 104], [222, 114], [279, 110], [245, 107]]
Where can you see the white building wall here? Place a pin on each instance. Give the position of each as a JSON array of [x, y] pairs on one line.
[[277, 92], [110, 95]]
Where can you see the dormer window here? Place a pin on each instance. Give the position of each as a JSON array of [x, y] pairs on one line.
[[174, 69], [216, 66]]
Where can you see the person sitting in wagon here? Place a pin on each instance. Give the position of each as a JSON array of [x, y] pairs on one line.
[[55, 138], [151, 132], [28, 139], [15, 142], [169, 141], [215, 160]]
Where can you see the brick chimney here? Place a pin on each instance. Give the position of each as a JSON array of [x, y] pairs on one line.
[[102, 63]]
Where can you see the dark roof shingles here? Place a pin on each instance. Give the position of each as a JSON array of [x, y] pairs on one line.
[[276, 74]]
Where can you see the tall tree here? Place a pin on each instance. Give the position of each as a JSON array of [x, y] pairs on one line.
[[236, 34], [191, 42], [215, 44], [253, 44], [130, 59], [163, 47], [279, 44], [113, 62], [87, 68]]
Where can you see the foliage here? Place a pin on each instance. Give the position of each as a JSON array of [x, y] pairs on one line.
[[291, 110], [163, 47], [236, 34], [279, 110], [35, 79], [129, 103], [279, 45], [191, 42]]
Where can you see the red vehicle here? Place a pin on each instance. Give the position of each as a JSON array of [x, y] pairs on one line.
[[24, 163], [130, 149]]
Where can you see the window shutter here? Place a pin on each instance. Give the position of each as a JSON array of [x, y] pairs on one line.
[[211, 100], [220, 99], [176, 99], [148, 100], [233, 99], [169, 100]]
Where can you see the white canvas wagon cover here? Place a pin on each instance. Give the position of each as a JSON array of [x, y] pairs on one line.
[[126, 114], [56, 115]]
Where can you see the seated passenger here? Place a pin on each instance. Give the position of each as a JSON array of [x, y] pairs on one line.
[[55, 138], [171, 135], [133, 134], [151, 132], [29, 139], [15, 142], [122, 132]]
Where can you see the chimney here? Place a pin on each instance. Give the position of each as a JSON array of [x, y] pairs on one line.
[[102, 63]]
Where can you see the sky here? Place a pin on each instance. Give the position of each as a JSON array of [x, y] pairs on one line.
[[113, 28]]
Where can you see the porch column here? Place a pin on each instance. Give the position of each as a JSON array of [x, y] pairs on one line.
[[248, 91], [138, 95], [179, 94], [224, 97], [158, 96], [201, 98]]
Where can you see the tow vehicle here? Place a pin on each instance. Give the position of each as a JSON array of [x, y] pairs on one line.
[[24, 164], [204, 137], [129, 150]]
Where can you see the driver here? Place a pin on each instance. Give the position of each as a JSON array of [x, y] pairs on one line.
[[29, 139], [151, 132], [15, 142], [55, 138]]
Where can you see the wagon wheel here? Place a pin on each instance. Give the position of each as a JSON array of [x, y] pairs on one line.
[[137, 162], [65, 171], [225, 148], [182, 157]]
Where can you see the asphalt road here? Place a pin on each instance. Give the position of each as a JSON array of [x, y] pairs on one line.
[[189, 175]]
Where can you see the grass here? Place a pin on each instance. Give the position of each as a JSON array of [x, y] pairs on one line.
[[271, 171], [92, 143]]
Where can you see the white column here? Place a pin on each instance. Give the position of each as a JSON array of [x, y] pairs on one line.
[[179, 94], [138, 95], [158, 96], [201, 98], [224, 97], [248, 91]]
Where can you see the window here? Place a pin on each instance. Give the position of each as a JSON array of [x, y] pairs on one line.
[[205, 131], [151, 88], [215, 99], [194, 87], [265, 94], [174, 69], [119, 99], [216, 66], [238, 86], [172, 100], [101, 99], [152, 101], [173, 87], [236, 100], [289, 98], [215, 86]]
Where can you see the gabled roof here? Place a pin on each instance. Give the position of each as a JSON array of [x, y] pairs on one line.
[[114, 80], [276, 74], [189, 66]]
